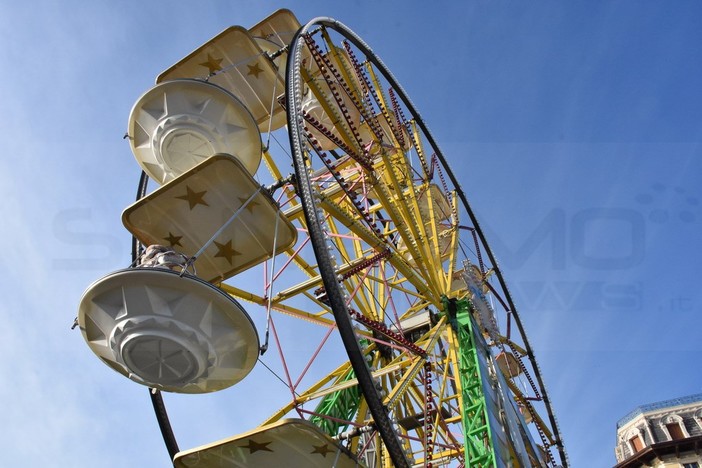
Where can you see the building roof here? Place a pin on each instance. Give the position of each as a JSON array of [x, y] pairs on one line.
[[659, 405]]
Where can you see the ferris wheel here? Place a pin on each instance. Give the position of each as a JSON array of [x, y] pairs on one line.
[[349, 266]]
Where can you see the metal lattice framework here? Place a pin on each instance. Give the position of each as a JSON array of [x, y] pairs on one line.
[[391, 327]]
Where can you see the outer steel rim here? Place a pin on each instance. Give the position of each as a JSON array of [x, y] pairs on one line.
[[341, 314], [294, 94]]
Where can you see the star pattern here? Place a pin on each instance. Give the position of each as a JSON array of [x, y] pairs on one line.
[[172, 239], [254, 446], [212, 64], [322, 450], [250, 207], [254, 70], [194, 198], [226, 251], [299, 444]]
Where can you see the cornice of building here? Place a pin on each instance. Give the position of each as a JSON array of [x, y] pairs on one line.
[[659, 407]]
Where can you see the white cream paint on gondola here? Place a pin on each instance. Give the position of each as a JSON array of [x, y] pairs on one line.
[[508, 364], [167, 331], [188, 211], [178, 124], [274, 33], [286, 443], [234, 61]]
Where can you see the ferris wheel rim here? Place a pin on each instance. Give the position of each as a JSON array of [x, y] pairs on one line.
[[326, 270], [296, 137]]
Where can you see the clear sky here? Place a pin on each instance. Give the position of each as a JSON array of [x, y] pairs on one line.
[[575, 128]]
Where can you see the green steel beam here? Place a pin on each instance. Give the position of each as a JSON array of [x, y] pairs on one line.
[[339, 406], [478, 446]]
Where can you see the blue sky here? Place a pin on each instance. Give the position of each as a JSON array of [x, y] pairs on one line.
[[575, 128]]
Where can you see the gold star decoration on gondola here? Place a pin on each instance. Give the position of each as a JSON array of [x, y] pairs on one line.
[[193, 198], [212, 64], [226, 251], [322, 450], [254, 446], [250, 207], [254, 70], [173, 240]]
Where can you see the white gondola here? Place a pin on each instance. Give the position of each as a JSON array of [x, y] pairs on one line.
[[187, 212], [274, 33], [167, 330], [234, 61], [290, 442], [178, 124]]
